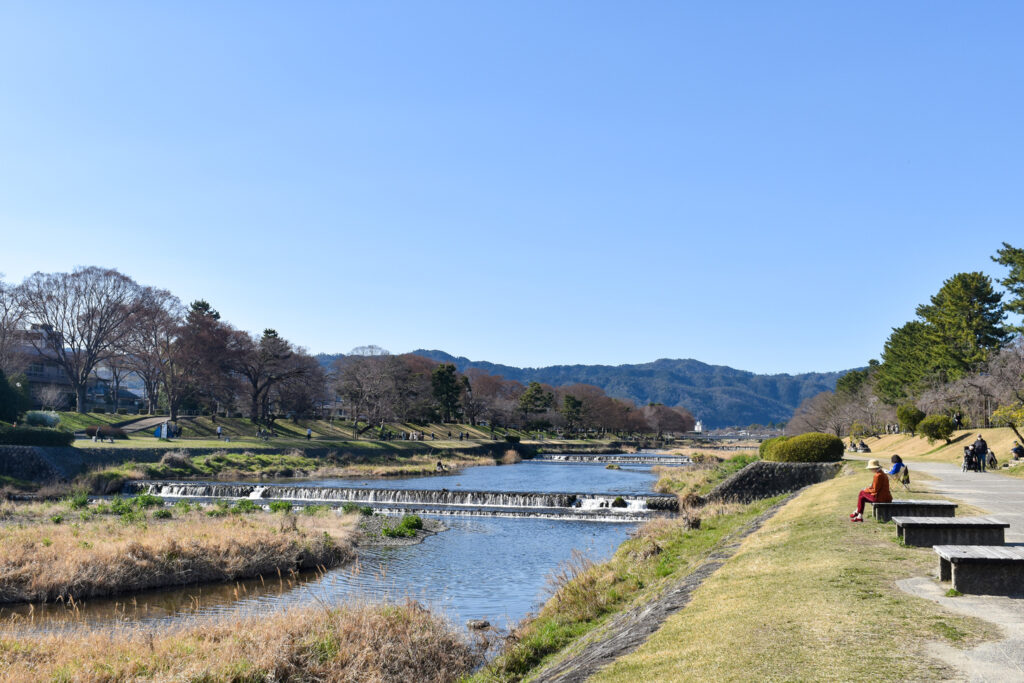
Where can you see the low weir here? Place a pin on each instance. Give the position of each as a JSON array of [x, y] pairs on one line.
[[597, 506], [638, 459]]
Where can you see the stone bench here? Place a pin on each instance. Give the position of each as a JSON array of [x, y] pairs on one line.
[[928, 531], [983, 569], [913, 508]]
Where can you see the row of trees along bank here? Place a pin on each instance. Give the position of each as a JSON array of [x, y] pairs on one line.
[[958, 363], [94, 321]]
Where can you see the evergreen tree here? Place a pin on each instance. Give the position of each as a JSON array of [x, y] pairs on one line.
[[535, 400], [1013, 258], [444, 382], [964, 324], [572, 411], [905, 363]]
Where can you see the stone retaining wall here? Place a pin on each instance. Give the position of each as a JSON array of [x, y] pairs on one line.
[[763, 479]]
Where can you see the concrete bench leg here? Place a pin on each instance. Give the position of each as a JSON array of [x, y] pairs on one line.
[[989, 578], [945, 570]]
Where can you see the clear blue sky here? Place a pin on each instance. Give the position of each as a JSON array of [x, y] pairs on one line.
[[771, 186]]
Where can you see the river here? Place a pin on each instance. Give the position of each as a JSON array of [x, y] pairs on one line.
[[492, 568]]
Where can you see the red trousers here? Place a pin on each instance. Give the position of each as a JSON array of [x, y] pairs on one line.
[[864, 497]]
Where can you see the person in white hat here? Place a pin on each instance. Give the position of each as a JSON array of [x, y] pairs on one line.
[[878, 492]]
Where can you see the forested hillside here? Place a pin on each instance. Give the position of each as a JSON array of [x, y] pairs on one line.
[[719, 395]]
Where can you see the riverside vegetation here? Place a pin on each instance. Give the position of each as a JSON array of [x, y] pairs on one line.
[[352, 643], [75, 549], [255, 465], [817, 593]]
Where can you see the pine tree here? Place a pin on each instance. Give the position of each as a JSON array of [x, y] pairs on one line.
[[1013, 258], [964, 324]]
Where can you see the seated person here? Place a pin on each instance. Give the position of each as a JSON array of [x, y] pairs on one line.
[[878, 492], [1017, 450], [900, 472]]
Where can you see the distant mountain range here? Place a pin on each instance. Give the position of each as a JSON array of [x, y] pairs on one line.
[[719, 395]]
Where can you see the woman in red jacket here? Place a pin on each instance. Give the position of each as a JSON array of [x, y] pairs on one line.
[[877, 492]]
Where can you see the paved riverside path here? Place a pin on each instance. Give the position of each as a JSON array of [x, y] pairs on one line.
[[1000, 496]]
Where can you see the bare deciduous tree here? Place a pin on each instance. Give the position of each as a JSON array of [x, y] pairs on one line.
[[12, 314], [80, 318]]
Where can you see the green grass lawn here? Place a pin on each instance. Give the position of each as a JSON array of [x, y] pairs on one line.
[[76, 422]]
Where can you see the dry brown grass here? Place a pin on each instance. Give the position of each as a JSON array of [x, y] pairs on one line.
[[511, 457], [359, 643], [45, 561]]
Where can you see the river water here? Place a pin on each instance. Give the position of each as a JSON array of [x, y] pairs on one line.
[[480, 568]]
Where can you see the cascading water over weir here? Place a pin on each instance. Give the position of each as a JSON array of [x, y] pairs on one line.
[[594, 506]]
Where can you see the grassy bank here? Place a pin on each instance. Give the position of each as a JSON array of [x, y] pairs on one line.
[[233, 466], [811, 596], [698, 479], [76, 549], [379, 643], [912, 448], [585, 596]]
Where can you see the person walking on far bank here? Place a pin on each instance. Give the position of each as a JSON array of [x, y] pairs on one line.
[[219, 432], [309, 433]]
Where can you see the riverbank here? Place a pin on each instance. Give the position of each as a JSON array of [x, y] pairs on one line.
[[75, 549], [352, 643], [245, 466], [816, 591], [912, 448]]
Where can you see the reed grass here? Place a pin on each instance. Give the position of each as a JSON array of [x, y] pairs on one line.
[[350, 643], [58, 551]]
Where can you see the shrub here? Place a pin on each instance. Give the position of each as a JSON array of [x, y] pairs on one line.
[[412, 522], [105, 432], [512, 438], [809, 447], [244, 506], [38, 418], [936, 427], [162, 513], [122, 411], [99, 411], [32, 436], [350, 508], [57, 519], [315, 509], [178, 460], [280, 506], [366, 510], [909, 416], [78, 500], [397, 531], [146, 500], [766, 447], [619, 502]]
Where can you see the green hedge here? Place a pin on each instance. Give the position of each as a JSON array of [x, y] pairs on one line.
[[768, 445], [31, 436], [810, 447]]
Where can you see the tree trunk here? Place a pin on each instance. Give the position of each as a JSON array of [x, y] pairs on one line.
[[80, 398]]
